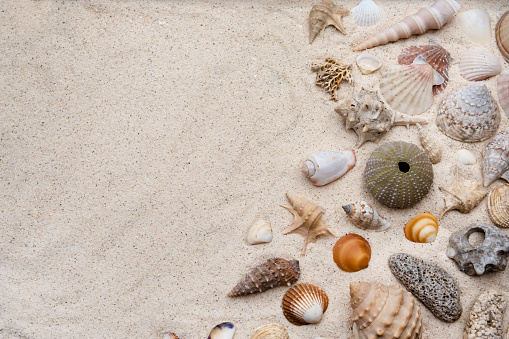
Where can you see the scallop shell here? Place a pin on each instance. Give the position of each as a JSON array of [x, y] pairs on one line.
[[367, 13], [259, 232], [503, 90], [384, 312], [398, 174], [502, 35], [475, 23], [325, 167], [352, 253], [222, 331], [466, 157], [433, 150], [304, 304], [423, 228], [469, 114], [368, 63], [170, 335], [365, 217], [479, 64], [498, 205], [496, 158], [270, 331]]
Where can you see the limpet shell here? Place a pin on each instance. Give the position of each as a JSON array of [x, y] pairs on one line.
[[260, 232], [368, 63], [423, 228], [502, 35], [304, 304], [352, 253], [479, 64], [270, 331], [475, 23], [498, 205]]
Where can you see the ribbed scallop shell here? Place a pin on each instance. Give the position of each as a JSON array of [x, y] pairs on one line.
[[368, 63], [423, 228], [260, 232], [270, 331], [496, 158], [436, 56], [222, 331], [304, 304], [475, 24], [503, 90], [502, 35], [365, 217], [367, 13], [479, 64], [384, 312], [498, 205], [469, 114], [352, 253], [398, 174]]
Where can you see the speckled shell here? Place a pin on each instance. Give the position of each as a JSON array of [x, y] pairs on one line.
[[222, 331], [351, 253], [304, 304], [475, 24], [486, 317], [502, 35], [479, 64], [503, 90], [367, 13], [391, 182], [423, 228], [384, 312], [273, 273], [496, 158], [170, 335], [270, 331], [469, 114], [433, 150], [365, 217], [498, 205]]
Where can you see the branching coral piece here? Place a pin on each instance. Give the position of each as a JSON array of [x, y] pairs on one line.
[[329, 75]]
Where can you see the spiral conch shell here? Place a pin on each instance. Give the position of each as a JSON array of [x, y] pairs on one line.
[[351, 253], [323, 15], [498, 205], [385, 312], [270, 331], [325, 167], [304, 304], [365, 217], [260, 232], [423, 228], [430, 147]]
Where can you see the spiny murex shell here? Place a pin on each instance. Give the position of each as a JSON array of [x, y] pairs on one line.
[[304, 304], [423, 228], [429, 283], [270, 331], [502, 35], [260, 232], [475, 23], [479, 64], [469, 114], [433, 150], [503, 90], [323, 15], [273, 273], [486, 317], [325, 167], [368, 63], [222, 331], [496, 158], [365, 217], [398, 174], [368, 116], [498, 205], [384, 312], [367, 13], [490, 255]]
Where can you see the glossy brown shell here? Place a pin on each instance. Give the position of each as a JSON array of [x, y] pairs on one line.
[[352, 253]]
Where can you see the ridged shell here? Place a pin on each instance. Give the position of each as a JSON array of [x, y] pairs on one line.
[[423, 228], [323, 15], [398, 174], [273, 273], [365, 217], [222, 331], [479, 64], [351, 253], [325, 167], [502, 35], [475, 23], [496, 158], [260, 232], [498, 205], [486, 317], [367, 13], [270, 331], [469, 114], [368, 63], [433, 150], [304, 304], [503, 90], [384, 312], [170, 335], [436, 56]]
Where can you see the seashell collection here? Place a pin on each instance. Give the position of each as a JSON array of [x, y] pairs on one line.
[[304, 304], [351, 253], [325, 167], [422, 228], [365, 217], [498, 205], [486, 316]]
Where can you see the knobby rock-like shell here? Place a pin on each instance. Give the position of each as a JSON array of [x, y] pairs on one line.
[[260, 232], [398, 174], [433, 150], [304, 304], [475, 24], [479, 64], [503, 90], [423, 228], [325, 167], [352, 253], [502, 35], [222, 331], [486, 317], [384, 312], [323, 15], [368, 63], [469, 114], [496, 158], [270, 331], [367, 13], [170, 335], [365, 217], [498, 205], [273, 273]]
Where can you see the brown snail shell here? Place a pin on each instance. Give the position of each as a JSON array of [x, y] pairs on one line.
[[498, 205], [423, 228], [352, 253], [304, 304], [270, 331]]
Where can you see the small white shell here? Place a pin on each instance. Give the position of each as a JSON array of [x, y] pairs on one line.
[[260, 232], [475, 24], [324, 167], [368, 63], [466, 157], [222, 331], [479, 64], [503, 90], [367, 13]]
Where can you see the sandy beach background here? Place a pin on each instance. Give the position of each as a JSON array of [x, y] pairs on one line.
[[140, 139]]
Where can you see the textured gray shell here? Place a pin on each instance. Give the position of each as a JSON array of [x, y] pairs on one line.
[[429, 283], [496, 158], [486, 316], [387, 179]]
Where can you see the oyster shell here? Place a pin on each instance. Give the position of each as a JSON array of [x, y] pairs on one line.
[[502, 35], [351, 253], [270, 331], [260, 232], [304, 304], [503, 90], [367, 13], [496, 158], [423, 228], [475, 23], [323, 15], [365, 217], [498, 205], [222, 331], [479, 64], [433, 150], [368, 63], [325, 167]]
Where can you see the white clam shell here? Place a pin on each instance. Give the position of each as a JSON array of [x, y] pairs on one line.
[[466, 157], [222, 331], [367, 13], [368, 63], [503, 90], [479, 64], [324, 167], [260, 232], [475, 24]]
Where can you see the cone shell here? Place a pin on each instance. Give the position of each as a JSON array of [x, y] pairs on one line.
[[503, 90], [304, 304], [469, 114], [170, 335], [502, 35], [475, 24], [368, 63], [270, 331], [496, 158], [423, 228], [384, 312], [479, 64], [273, 273], [325, 167], [222, 331], [352, 253], [365, 217], [498, 205], [260, 232], [367, 13]]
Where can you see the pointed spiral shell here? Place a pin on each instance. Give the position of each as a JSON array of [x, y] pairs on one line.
[[365, 217]]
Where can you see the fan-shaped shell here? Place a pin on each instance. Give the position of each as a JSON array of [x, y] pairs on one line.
[[503, 90], [469, 114], [475, 23], [270, 331], [502, 35], [498, 205], [222, 331], [496, 158], [365, 217], [367, 13], [398, 174], [368, 63], [304, 304], [260, 232], [423, 228], [352, 253], [479, 64]]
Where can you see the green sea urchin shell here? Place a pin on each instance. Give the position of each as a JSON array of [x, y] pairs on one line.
[[398, 174]]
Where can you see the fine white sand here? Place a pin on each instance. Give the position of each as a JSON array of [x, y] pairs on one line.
[[140, 139]]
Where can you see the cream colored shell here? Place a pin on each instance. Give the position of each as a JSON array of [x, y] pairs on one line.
[[365, 217], [498, 205], [475, 24], [479, 64], [260, 232], [367, 13], [433, 150], [368, 63], [503, 90], [270, 331]]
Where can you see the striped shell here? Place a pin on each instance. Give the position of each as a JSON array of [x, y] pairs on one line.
[[503, 90], [304, 304], [398, 174], [498, 205], [479, 64], [351, 253], [475, 23], [436, 56], [365, 217], [423, 228], [502, 35], [496, 158], [367, 13], [270, 331]]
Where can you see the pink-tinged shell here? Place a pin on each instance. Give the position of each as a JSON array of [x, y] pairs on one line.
[[503, 90], [502, 35], [436, 56], [496, 158], [479, 64]]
